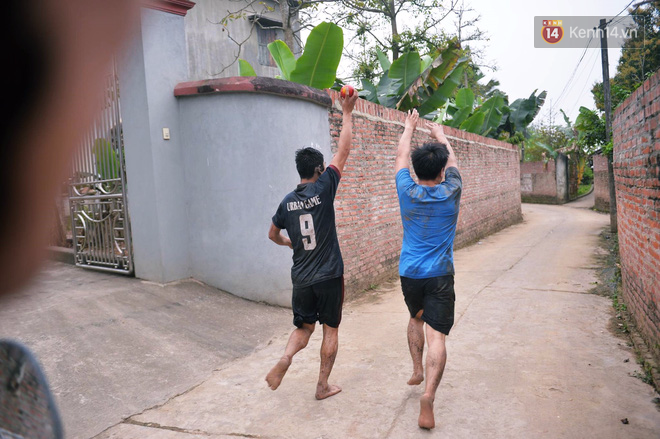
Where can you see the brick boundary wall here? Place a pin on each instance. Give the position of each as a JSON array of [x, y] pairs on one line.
[[636, 138], [368, 218], [538, 182], [601, 184]]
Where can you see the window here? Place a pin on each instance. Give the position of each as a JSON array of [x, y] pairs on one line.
[[267, 32]]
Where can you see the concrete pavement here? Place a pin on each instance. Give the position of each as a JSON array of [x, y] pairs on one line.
[[530, 354], [112, 346]]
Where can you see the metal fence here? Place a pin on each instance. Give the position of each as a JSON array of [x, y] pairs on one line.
[[99, 217]]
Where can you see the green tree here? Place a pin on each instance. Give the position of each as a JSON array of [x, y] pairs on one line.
[[393, 26], [640, 56], [474, 75], [544, 141], [590, 128]]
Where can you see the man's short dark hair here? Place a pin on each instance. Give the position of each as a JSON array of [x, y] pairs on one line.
[[429, 159], [308, 160]]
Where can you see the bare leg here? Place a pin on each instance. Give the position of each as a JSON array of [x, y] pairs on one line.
[[436, 358], [416, 346], [328, 355], [297, 341]]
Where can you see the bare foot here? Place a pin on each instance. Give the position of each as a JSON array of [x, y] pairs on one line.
[[274, 377], [426, 419], [416, 378], [323, 392]]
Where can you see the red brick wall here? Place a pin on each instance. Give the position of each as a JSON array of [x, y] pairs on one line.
[[601, 187], [368, 219], [636, 136], [538, 182]]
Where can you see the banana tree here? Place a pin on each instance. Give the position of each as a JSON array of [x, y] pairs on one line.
[[411, 81], [522, 113], [483, 119], [461, 108], [317, 67]]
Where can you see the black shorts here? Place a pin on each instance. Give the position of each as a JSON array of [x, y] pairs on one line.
[[435, 296], [320, 302]]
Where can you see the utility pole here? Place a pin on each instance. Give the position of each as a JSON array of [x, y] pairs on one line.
[[608, 121]]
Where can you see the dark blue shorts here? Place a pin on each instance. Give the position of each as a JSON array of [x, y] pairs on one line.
[[320, 302], [435, 296]]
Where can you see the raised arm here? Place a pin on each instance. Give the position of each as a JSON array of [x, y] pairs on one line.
[[346, 135], [403, 151], [438, 133]]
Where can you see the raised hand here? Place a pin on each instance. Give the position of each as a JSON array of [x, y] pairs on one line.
[[438, 132], [411, 119], [348, 103]]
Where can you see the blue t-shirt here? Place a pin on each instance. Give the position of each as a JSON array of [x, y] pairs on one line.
[[429, 216]]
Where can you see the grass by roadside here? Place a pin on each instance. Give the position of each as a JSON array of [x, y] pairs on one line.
[[583, 189], [622, 324]]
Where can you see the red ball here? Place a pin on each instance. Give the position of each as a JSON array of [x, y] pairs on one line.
[[347, 90]]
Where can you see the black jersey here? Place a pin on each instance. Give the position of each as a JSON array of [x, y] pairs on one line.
[[308, 215]]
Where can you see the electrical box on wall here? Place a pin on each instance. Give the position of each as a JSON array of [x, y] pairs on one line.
[[166, 133]]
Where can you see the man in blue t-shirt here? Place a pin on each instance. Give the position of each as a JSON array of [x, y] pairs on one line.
[[429, 213]]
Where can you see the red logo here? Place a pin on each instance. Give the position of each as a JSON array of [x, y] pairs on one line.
[[552, 31]]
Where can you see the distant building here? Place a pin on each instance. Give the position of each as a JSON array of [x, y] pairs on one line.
[[213, 48]]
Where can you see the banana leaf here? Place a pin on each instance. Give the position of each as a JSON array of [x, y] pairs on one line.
[[406, 69], [283, 58], [523, 111], [317, 67], [434, 69], [441, 95], [383, 60], [492, 109], [245, 69], [418, 90], [450, 58], [388, 91], [369, 91], [548, 149], [465, 98], [451, 108], [474, 123], [427, 60], [459, 117]]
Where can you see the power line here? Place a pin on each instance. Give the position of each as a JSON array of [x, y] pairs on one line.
[[595, 61], [591, 60], [579, 76], [568, 83], [621, 12]]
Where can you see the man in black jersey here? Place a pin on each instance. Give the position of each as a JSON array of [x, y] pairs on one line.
[[308, 216]]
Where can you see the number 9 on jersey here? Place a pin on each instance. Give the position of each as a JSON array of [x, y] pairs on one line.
[[307, 231]]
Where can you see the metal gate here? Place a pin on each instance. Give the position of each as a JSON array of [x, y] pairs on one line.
[[99, 218]]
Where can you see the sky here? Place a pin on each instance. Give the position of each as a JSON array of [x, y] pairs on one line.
[[522, 68]]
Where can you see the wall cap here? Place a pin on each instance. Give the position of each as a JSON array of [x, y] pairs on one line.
[[176, 7], [253, 84]]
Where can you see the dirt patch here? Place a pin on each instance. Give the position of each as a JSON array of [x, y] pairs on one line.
[[374, 293], [609, 280], [622, 323]]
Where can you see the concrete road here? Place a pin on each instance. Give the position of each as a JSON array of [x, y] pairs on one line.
[[112, 346], [530, 354]]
